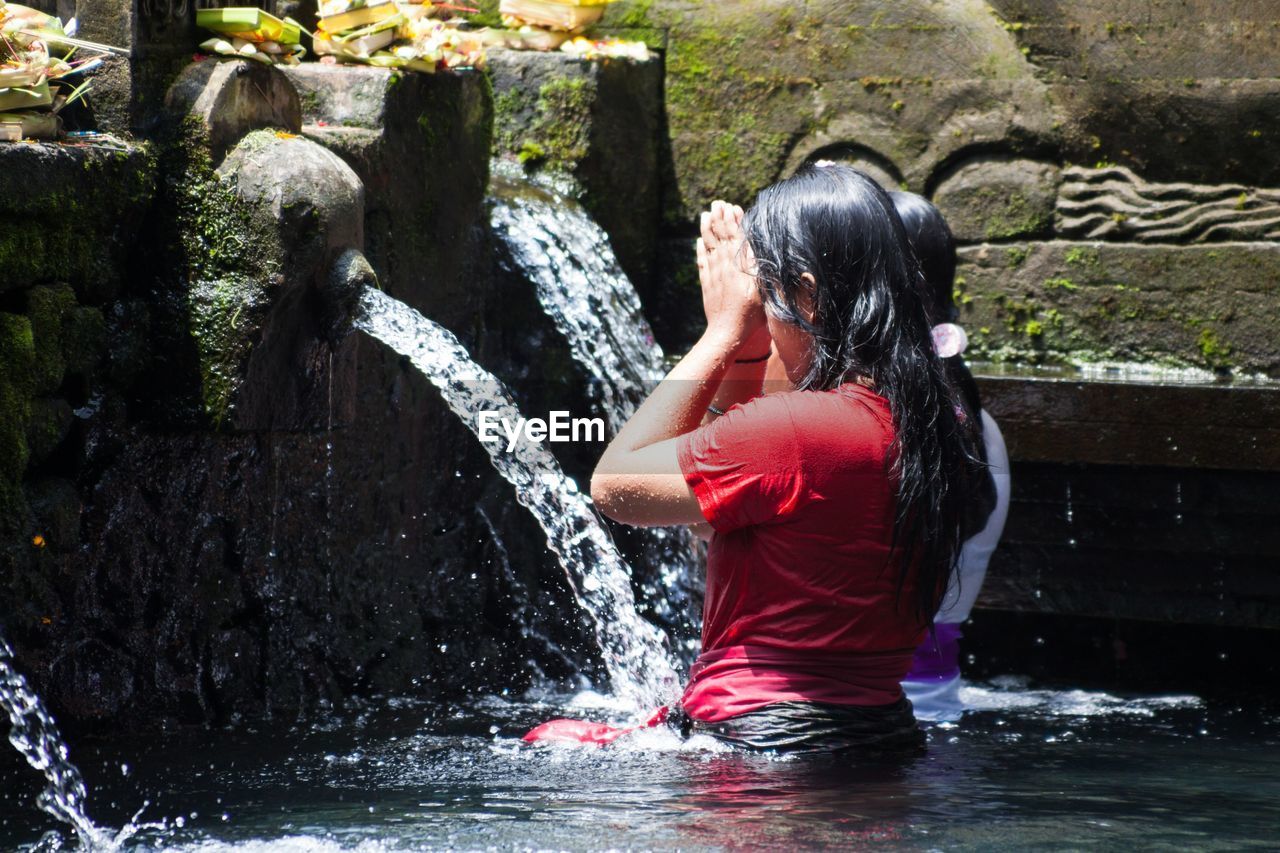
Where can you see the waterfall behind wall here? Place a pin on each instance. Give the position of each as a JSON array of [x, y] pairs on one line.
[[634, 651], [552, 242]]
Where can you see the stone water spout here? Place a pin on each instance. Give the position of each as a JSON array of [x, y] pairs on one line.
[[292, 230]]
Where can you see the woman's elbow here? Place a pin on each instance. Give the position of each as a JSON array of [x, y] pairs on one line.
[[606, 495]]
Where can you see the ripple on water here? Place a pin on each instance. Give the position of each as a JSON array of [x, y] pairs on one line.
[[1032, 768]]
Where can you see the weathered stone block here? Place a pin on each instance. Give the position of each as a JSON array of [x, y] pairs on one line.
[[1207, 131], [128, 91], [1169, 545], [1174, 90], [419, 143], [601, 124], [227, 99], [1059, 416], [70, 215], [1171, 39], [1215, 307], [998, 198], [753, 89]]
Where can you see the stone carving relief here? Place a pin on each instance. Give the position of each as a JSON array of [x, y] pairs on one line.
[[1115, 204]]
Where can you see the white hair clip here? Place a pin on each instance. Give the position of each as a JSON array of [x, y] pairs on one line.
[[822, 164], [949, 340]]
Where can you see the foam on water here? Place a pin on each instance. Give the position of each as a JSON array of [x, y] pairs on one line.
[[635, 651], [290, 844], [1011, 693]]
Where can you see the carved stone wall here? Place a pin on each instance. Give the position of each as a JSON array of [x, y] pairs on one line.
[[1151, 123]]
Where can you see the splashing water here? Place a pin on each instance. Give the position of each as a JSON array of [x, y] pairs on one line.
[[559, 248], [634, 652], [34, 734], [567, 257]]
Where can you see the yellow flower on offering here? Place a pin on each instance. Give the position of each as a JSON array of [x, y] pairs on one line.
[[584, 48]]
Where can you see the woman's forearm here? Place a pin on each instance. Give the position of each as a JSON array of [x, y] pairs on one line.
[[741, 382], [677, 405], [638, 479]]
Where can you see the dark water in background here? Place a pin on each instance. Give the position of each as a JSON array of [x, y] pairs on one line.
[[1034, 769]]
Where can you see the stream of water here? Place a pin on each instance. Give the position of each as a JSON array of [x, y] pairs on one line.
[[635, 652], [567, 259], [35, 736]]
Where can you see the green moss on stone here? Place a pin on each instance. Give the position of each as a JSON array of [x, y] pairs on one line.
[[1011, 214], [47, 306], [217, 242], [636, 15], [1216, 353], [17, 365], [32, 250], [711, 67], [1081, 256], [531, 153], [564, 121]]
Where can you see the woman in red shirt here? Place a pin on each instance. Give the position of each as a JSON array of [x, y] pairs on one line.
[[834, 508]]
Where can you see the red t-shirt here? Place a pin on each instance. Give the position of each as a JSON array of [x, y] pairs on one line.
[[801, 603]]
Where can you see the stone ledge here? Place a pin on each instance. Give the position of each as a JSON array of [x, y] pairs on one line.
[[1128, 423], [420, 145]]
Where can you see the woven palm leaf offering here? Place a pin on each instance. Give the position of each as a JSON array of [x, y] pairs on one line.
[[247, 32], [413, 36], [561, 25], [569, 16], [42, 65]]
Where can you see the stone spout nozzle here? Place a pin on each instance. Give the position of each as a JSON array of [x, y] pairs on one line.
[[349, 275]]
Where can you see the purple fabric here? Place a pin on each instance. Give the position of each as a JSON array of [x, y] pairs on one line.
[[938, 657]]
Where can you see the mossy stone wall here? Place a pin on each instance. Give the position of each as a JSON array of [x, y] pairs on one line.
[[935, 97], [599, 125]]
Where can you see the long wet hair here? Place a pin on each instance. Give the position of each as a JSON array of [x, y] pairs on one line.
[[870, 320], [935, 251]]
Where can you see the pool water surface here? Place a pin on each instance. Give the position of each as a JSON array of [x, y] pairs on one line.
[[1030, 769]]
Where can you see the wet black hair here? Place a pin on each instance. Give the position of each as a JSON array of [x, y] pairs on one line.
[[870, 321], [935, 250]]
